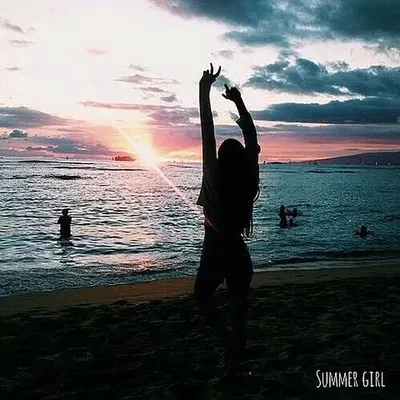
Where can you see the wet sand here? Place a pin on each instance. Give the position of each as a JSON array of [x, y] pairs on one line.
[[148, 341]]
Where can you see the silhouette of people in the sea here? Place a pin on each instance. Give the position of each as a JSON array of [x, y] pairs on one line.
[[363, 232], [292, 217], [65, 224], [284, 213], [229, 188], [282, 216]]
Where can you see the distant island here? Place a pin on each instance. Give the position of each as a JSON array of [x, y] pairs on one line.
[[124, 158], [379, 158]]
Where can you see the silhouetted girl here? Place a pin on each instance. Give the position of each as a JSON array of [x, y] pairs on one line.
[[229, 188]]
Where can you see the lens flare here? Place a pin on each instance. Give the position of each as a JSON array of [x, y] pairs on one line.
[[145, 151]]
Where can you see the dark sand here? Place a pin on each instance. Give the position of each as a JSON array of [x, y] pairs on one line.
[[117, 343]]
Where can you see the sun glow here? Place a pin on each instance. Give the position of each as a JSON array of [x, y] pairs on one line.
[[141, 147], [145, 151], [147, 155]]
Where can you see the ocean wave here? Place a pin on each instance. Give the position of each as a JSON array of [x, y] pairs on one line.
[[342, 255], [48, 176], [100, 168], [53, 162], [391, 218], [321, 171], [20, 177], [65, 177]]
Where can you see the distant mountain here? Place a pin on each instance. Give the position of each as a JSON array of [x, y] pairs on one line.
[[382, 158]]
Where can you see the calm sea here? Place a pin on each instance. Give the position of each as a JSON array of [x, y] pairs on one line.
[[132, 224]]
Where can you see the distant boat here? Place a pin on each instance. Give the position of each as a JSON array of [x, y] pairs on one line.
[[124, 158]]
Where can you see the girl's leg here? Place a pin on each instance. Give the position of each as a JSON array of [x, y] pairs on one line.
[[204, 288], [238, 279], [238, 291]]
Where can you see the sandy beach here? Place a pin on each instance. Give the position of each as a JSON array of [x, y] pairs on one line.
[[148, 341]]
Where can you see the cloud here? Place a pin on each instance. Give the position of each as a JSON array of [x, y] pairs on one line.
[[388, 133], [136, 67], [20, 43], [307, 77], [153, 89], [23, 117], [178, 116], [17, 134], [170, 99], [123, 106], [142, 79], [373, 110], [159, 115], [12, 27], [12, 69], [71, 130], [57, 144], [260, 22], [227, 54], [97, 51], [36, 148], [221, 81]]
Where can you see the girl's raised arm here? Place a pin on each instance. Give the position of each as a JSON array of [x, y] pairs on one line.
[[206, 118]]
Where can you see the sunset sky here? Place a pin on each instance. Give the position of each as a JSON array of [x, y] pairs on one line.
[[321, 78]]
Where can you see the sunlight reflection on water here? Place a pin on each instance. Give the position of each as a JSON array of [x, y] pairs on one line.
[[130, 225]]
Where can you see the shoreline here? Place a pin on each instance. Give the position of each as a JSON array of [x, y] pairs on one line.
[[176, 287]]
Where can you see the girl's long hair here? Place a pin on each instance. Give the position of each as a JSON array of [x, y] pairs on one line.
[[238, 187]]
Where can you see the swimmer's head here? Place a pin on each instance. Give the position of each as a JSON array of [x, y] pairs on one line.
[[65, 211]]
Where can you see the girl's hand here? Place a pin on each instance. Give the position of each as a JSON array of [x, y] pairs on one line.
[[232, 94], [209, 77]]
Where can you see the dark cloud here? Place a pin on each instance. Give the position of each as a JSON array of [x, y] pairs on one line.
[[17, 134], [57, 144], [360, 19], [36, 148], [170, 98], [233, 12], [366, 111], [142, 79], [136, 67], [389, 133], [153, 89], [97, 51], [306, 77], [221, 81], [256, 37], [12, 27], [20, 43], [259, 22], [23, 117], [12, 69], [178, 116]]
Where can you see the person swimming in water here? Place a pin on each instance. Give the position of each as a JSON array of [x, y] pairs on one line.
[[65, 224], [230, 186], [363, 232], [282, 216], [292, 217]]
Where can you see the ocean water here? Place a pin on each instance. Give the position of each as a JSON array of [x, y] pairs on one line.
[[134, 224]]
